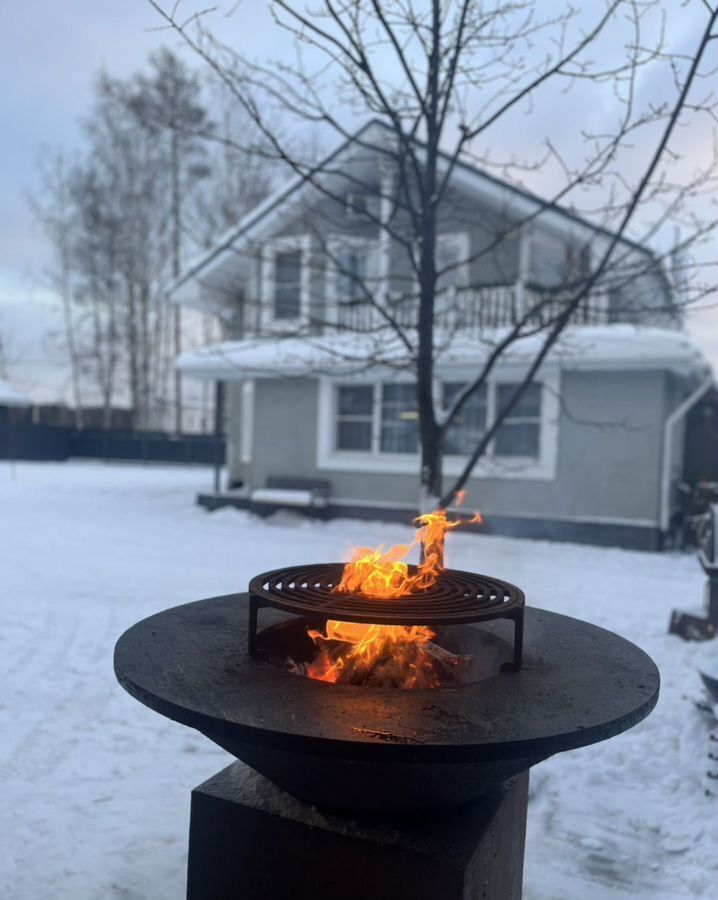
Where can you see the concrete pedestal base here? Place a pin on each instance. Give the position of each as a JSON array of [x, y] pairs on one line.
[[251, 841]]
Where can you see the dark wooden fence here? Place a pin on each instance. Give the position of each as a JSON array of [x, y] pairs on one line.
[[47, 442]]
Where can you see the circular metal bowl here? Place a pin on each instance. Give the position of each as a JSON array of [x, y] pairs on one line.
[[378, 749]]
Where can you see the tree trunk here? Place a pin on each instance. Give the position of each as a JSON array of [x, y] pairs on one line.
[[176, 249], [430, 434], [135, 399], [74, 357], [431, 474]]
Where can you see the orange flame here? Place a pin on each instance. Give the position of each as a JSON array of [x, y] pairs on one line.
[[388, 655], [382, 655], [385, 576]]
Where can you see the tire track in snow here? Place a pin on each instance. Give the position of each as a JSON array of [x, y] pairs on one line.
[[37, 752]]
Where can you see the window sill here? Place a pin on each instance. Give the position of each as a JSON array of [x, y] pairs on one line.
[[517, 468]]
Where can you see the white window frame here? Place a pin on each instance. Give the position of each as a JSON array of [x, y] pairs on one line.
[[491, 413], [537, 240], [335, 244], [335, 418], [462, 240], [463, 271], [270, 251], [543, 468], [439, 396]]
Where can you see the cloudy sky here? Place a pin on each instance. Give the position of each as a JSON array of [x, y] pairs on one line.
[[49, 54]]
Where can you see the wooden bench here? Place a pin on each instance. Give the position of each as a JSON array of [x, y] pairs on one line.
[[301, 492]]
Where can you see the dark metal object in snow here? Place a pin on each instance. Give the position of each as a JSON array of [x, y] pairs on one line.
[[381, 749], [457, 598], [702, 624]]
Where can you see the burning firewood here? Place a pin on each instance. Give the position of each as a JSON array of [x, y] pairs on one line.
[[389, 655], [412, 662]]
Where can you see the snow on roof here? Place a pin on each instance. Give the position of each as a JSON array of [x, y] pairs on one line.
[[10, 396], [606, 346]]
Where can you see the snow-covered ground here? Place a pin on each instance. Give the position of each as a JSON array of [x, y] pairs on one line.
[[95, 787]]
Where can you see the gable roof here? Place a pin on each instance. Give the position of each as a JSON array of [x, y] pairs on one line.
[[478, 177]]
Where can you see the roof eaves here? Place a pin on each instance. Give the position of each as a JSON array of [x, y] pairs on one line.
[[263, 209]]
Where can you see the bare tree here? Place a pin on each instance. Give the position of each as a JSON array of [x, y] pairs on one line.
[[240, 174], [122, 219], [207, 181], [168, 103], [96, 239], [54, 212]]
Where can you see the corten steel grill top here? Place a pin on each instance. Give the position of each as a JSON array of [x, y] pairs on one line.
[[457, 598], [578, 684]]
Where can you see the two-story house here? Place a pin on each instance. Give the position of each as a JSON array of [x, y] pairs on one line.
[[320, 391]]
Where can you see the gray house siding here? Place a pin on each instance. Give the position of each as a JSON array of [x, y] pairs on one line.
[[490, 263], [609, 444], [494, 251], [608, 466]]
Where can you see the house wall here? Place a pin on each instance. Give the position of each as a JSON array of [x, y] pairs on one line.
[[488, 265], [609, 453], [642, 299]]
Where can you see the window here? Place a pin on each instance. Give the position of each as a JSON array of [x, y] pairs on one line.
[[373, 427], [465, 431], [452, 253], [287, 285], [355, 416], [399, 418], [361, 206], [351, 274], [520, 432], [547, 261]]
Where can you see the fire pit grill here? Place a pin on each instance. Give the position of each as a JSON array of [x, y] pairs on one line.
[[457, 598], [578, 684]]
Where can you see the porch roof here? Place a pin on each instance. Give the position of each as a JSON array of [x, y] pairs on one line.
[[618, 347]]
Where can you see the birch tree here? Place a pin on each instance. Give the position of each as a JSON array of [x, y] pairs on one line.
[[153, 182], [54, 212], [169, 105]]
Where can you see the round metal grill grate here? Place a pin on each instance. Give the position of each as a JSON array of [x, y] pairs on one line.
[[457, 598]]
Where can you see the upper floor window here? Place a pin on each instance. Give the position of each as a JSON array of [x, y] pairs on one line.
[[287, 285], [360, 205], [469, 424], [351, 279], [285, 281], [520, 431], [547, 261], [452, 260], [352, 269]]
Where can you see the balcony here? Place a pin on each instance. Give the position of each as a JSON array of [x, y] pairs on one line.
[[474, 310]]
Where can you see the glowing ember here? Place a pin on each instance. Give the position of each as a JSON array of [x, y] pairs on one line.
[[389, 655]]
